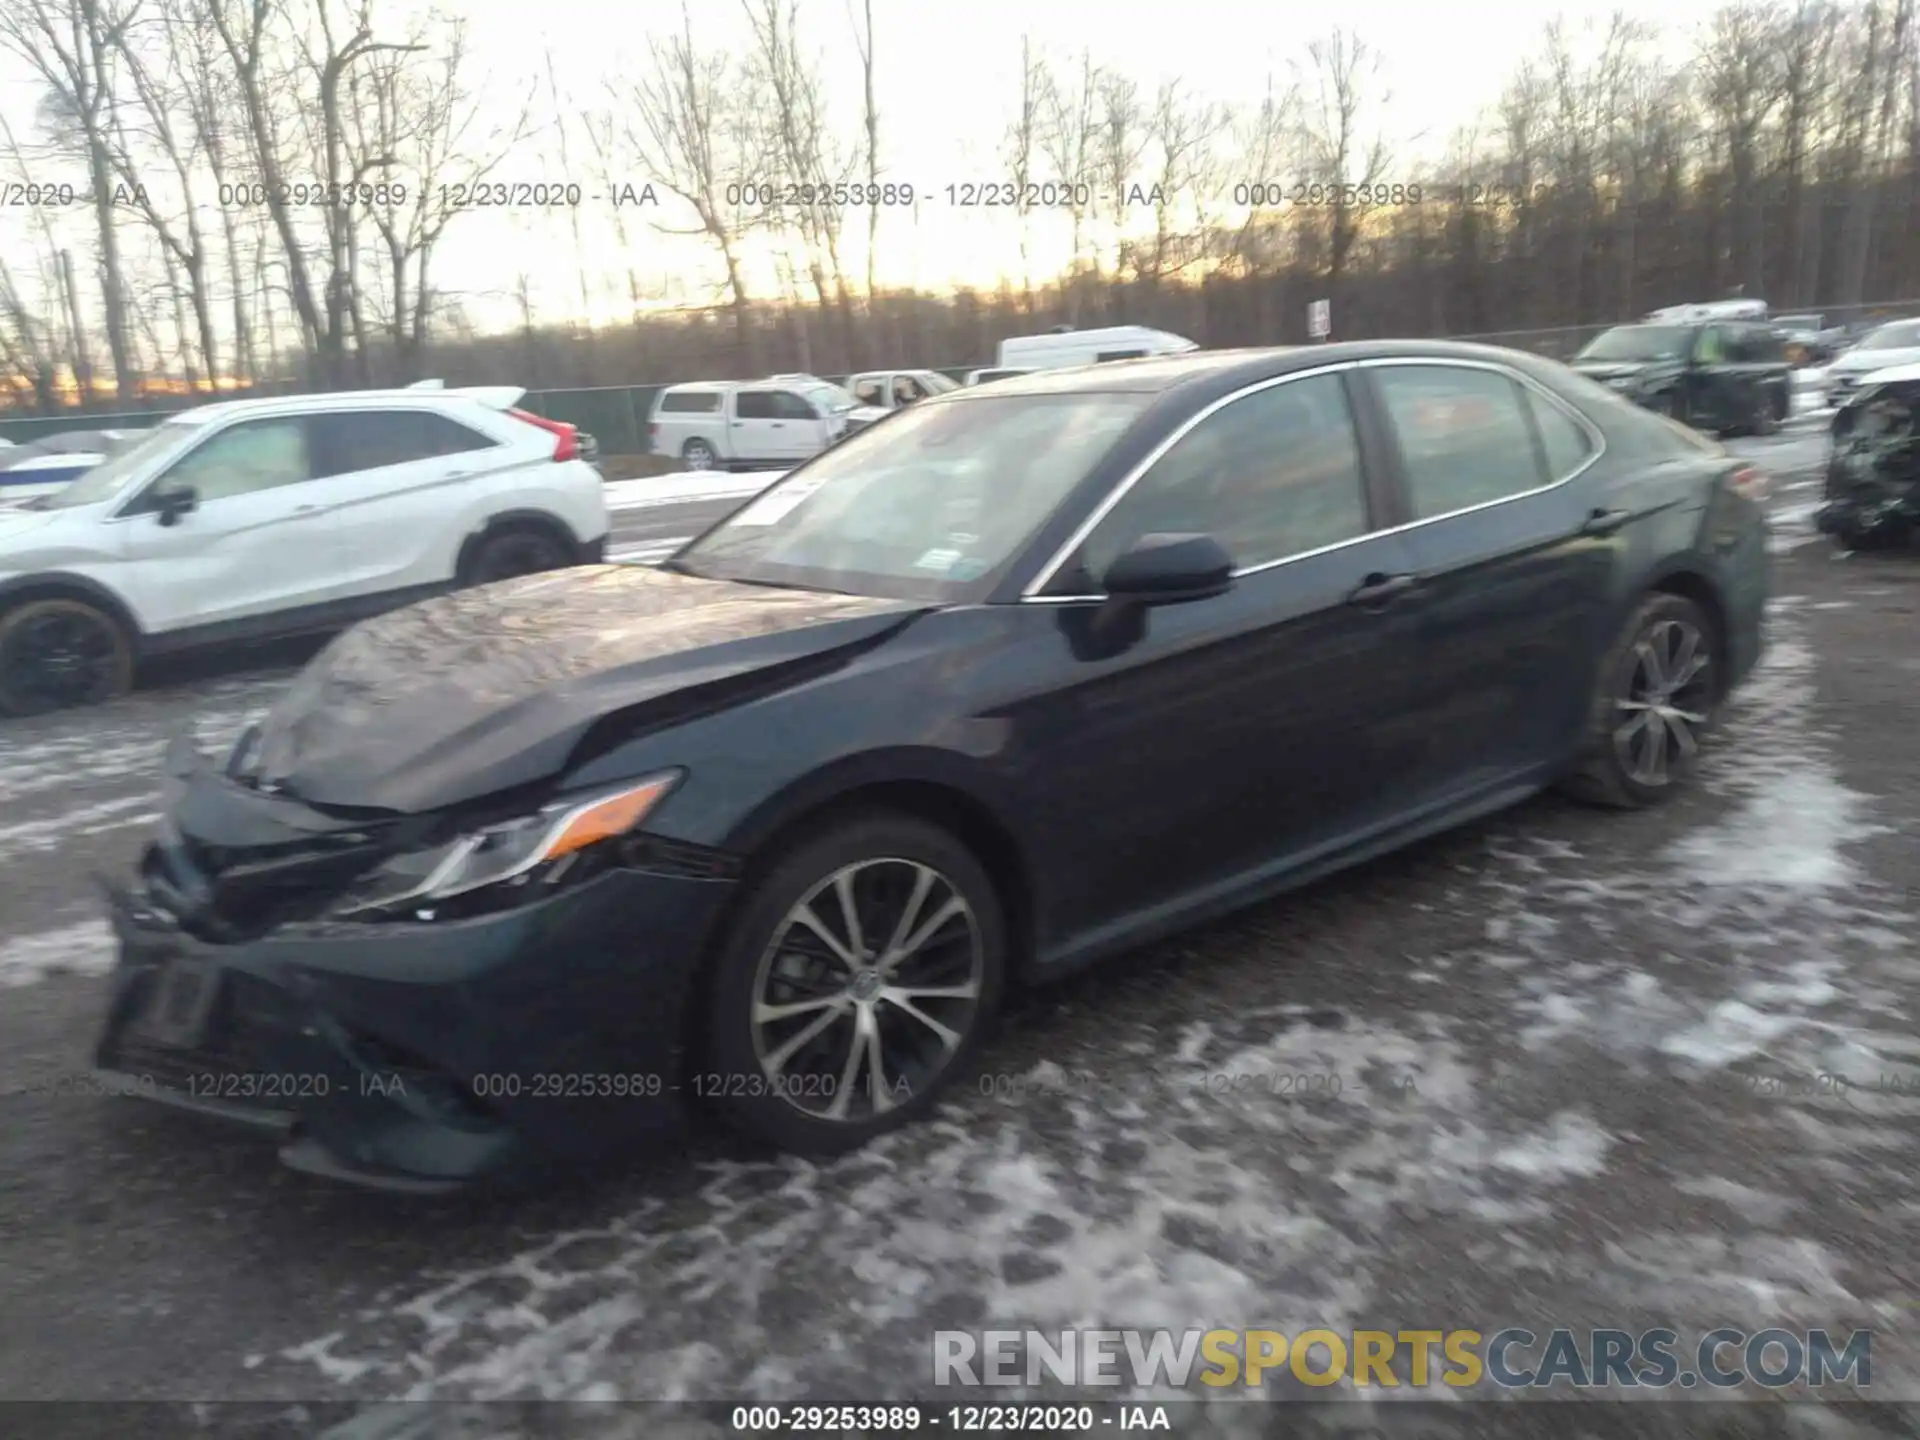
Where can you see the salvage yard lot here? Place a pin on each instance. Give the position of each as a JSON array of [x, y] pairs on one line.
[[1556, 1069]]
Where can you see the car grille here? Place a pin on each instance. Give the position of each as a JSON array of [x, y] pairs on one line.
[[223, 895]]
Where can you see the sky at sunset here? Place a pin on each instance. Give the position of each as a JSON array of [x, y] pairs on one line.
[[947, 83]]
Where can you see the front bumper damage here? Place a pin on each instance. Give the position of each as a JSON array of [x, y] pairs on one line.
[[1872, 493], [413, 1055]]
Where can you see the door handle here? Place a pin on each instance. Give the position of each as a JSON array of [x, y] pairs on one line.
[[1380, 591], [1604, 522], [309, 509]]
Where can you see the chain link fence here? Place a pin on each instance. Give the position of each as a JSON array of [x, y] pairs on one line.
[[616, 415]]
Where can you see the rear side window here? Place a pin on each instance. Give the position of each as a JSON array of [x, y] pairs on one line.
[[690, 402], [1105, 355], [1464, 436], [753, 405], [350, 440], [1566, 445]]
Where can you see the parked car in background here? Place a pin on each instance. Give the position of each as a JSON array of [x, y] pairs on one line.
[[34, 476], [252, 519], [1872, 490], [1696, 312], [798, 808], [752, 425], [1063, 347], [1804, 337], [993, 372], [1725, 376], [890, 389], [1885, 346]]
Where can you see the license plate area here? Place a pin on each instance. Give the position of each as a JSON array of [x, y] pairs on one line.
[[182, 1001]]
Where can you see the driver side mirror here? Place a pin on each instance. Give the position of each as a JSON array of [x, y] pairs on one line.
[[169, 505], [1163, 569]]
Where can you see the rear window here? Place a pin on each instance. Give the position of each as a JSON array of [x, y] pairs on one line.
[[690, 402]]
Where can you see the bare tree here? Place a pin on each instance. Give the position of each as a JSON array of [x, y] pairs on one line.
[[1341, 157], [870, 126], [1022, 146], [72, 46], [1068, 140], [691, 138]]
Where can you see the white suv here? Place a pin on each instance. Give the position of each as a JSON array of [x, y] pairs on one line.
[[254, 519], [742, 425]]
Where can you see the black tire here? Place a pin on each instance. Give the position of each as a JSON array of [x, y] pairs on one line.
[[514, 551], [1604, 775], [789, 1105], [56, 654], [697, 454]]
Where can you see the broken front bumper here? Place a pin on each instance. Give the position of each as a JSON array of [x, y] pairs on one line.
[[421, 1056]]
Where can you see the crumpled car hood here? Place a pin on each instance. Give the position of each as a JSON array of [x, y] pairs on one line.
[[482, 690]]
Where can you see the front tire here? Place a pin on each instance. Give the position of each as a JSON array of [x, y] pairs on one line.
[[857, 981], [1659, 688], [58, 653], [508, 554]]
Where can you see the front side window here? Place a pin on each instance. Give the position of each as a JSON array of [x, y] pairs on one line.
[[243, 459], [1464, 438], [1271, 475], [788, 406], [932, 505], [868, 390]]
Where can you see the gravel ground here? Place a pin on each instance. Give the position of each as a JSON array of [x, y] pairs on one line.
[[1559, 1069]]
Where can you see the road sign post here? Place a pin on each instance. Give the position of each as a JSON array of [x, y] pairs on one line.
[[1320, 319]]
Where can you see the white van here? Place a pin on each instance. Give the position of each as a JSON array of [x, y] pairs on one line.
[[1088, 347], [748, 425]]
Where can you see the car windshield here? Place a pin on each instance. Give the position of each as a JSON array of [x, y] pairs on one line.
[[1904, 335], [106, 481], [828, 397], [1638, 342], [930, 506]]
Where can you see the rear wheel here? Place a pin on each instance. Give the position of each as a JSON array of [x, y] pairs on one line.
[[698, 455], [1656, 700], [509, 553], [856, 982], [59, 653]]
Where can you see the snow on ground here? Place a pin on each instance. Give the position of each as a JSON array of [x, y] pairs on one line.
[[682, 486], [1194, 1177]]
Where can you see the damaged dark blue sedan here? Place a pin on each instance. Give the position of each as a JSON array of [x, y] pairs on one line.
[[1030, 674]]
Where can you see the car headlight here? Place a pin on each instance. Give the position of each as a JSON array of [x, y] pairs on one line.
[[535, 849]]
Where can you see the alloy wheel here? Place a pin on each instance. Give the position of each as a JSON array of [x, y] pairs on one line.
[[868, 988], [698, 455], [57, 659], [1668, 696]]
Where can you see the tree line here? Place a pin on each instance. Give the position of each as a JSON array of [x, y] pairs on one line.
[[217, 194]]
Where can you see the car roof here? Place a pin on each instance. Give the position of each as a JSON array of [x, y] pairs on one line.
[[1223, 369], [488, 396]]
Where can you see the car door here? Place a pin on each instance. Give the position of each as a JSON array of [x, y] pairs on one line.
[[254, 545], [755, 431], [1243, 733], [1714, 380], [1515, 567], [799, 430], [392, 481]]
